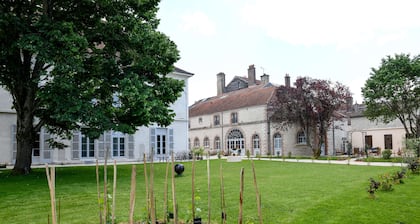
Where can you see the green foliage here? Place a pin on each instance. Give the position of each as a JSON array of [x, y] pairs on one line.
[[386, 154], [393, 92], [100, 65]]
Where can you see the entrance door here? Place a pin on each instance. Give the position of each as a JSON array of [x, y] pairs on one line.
[[235, 142], [278, 145]]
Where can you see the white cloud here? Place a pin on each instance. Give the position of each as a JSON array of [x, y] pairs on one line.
[[198, 22], [330, 22]]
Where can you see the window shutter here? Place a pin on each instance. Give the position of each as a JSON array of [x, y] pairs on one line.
[[101, 146], [108, 143], [47, 150], [131, 146], [75, 146], [152, 138], [14, 143], [171, 140]]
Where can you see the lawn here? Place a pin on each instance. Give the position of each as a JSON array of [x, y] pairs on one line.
[[290, 193]]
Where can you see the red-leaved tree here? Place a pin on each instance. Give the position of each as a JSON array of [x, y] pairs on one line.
[[311, 105]]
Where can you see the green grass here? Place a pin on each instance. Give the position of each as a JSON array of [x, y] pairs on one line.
[[290, 193]]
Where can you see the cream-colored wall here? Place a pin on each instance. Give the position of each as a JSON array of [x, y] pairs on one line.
[[251, 121], [361, 126]]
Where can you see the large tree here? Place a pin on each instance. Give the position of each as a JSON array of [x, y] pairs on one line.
[[99, 65], [393, 92], [310, 105]]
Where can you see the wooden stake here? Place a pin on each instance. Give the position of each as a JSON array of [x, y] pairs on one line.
[[51, 186], [222, 195], [257, 193], [193, 188], [241, 196], [146, 183], [132, 194], [174, 192], [105, 218], [165, 200], [99, 192], [152, 197], [114, 190], [208, 190]]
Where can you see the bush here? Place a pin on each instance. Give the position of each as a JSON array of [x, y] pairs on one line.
[[386, 154], [386, 181], [413, 165]]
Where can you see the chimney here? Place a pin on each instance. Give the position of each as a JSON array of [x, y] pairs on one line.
[[265, 79], [287, 80], [251, 75], [220, 83]]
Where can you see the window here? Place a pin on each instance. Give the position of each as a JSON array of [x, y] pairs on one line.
[[368, 141], [200, 120], [196, 143], [87, 147], [206, 142], [388, 141], [36, 145], [234, 118], [256, 142], [301, 137], [217, 143], [216, 120], [118, 144]]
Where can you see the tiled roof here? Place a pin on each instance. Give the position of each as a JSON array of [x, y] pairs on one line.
[[247, 97]]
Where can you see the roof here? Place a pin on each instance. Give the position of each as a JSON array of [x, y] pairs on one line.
[[176, 69], [252, 96]]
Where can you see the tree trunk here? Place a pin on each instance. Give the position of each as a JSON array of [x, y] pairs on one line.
[[25, 132]]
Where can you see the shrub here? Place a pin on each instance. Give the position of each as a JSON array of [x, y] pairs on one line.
[[386, 154], [413, 165], [373, 187], [386, 182]]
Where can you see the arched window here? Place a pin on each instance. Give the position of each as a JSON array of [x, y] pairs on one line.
[[301, 137], [196, 142], [206, 142], [278, 144], [235, 141], [256, 144], [217, 143]]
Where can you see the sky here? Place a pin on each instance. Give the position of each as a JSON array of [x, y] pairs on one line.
[[340, 41]]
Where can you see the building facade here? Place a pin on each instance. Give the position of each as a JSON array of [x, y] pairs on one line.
[[120, 146], [371, 134], [236, 120]]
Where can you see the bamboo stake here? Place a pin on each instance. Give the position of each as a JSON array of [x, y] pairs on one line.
[[173, 192], [257, 193], [51, 186], [222, 195], [152, 197], [208, 189], [105, 188], [132, 194], [241, 196], [146, 181], [165, 202], [193, 188], [99, 193], [114, 189]]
